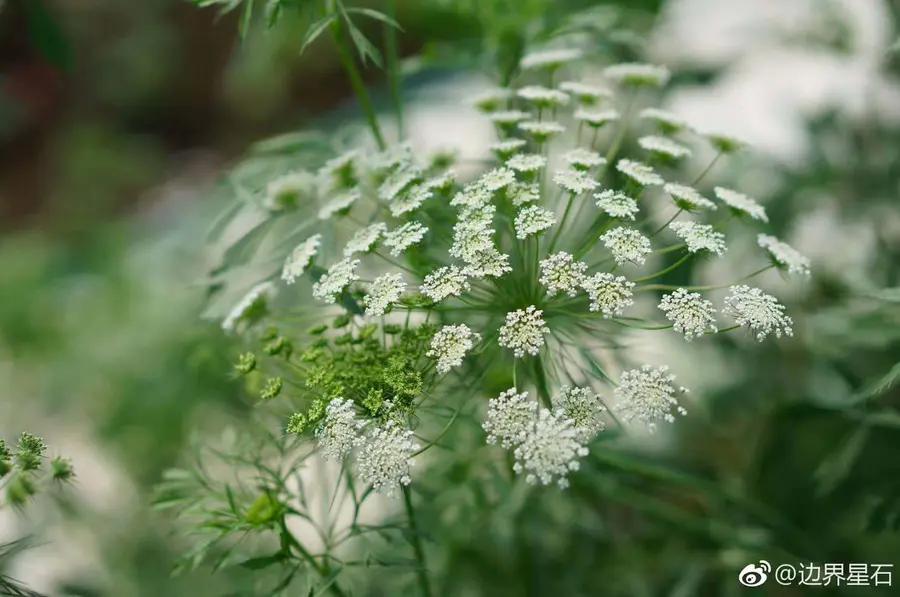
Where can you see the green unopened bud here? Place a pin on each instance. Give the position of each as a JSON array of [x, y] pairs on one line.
[[392, 328], [5, 467], [367, 330], [373, 401], [316, 411], [271, 389], [20, 489], [310, 355], [320, 343], [279, 346], [5, 454], [297, 423], [341, 321], [343, 339], [264, 509], [246, 363], [317, 329], [61, 469], [270, 334], [725, 144], [30, 453]]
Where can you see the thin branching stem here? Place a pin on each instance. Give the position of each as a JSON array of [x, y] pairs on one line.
[[416, 540], [359, 87]]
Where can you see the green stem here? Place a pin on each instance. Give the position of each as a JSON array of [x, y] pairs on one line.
[[669, 221], [713, 287], [422, 572], [393, 65], [706, 170], [562, 223], [356, 81], [322, 569], [666, 270]]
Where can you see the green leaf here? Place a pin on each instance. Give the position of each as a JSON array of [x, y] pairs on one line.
[[46, 34], [363, 46], [839, 463], [273, 11], [316, 29], [882, 385], [246, 18], [378, 16], [263, 562]]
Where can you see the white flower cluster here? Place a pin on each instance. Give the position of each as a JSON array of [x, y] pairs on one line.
[[641, 174], [584, 408], [299, 259], [338, 432], [647, 395], [627, 245], [691, 314], [608, 294], [533, 219], [784, 255], [254, 302], [451, 344], [546, 444], [524, 331], [758, 311], [386, 456], [664, 147], [700, 237], [335, 280], [741, 204], [444, 282], [560, 272], [385, 290], [617, 205]]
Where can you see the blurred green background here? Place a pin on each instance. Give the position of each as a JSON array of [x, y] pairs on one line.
[[116, 119]]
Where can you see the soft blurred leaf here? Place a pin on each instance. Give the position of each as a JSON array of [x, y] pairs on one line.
[[47, 35], [316, 29], [378, 16], [837, 466]]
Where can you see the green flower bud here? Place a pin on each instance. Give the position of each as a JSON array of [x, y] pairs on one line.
[[320, 343], [310, 355], [5, 467], [374, 401], [343, 339], [264, 510], [20, 489], [392, 328], [271, 389], [297, 423], [317, 330], [367, 330], [30, 452], [61, 469], [316, 411], [341, 321], [246, 363]]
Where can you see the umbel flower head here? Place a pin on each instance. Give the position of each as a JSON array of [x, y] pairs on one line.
[[338, 433], [338, 277], [784, 255], [691, 314], [451, 344], [515, 264], [385, 290], [627, 245], [758, 311], [584, 408], [560, 272], [299, 259], [550, 450], [647, 395], [386, 456], [509, 417], [524, 331]]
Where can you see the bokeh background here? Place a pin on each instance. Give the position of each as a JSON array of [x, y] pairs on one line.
[[118, 118]]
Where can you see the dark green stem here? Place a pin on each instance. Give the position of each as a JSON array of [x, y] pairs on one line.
[[393, 65], [356, 81], [666, 270], [422, 571]]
